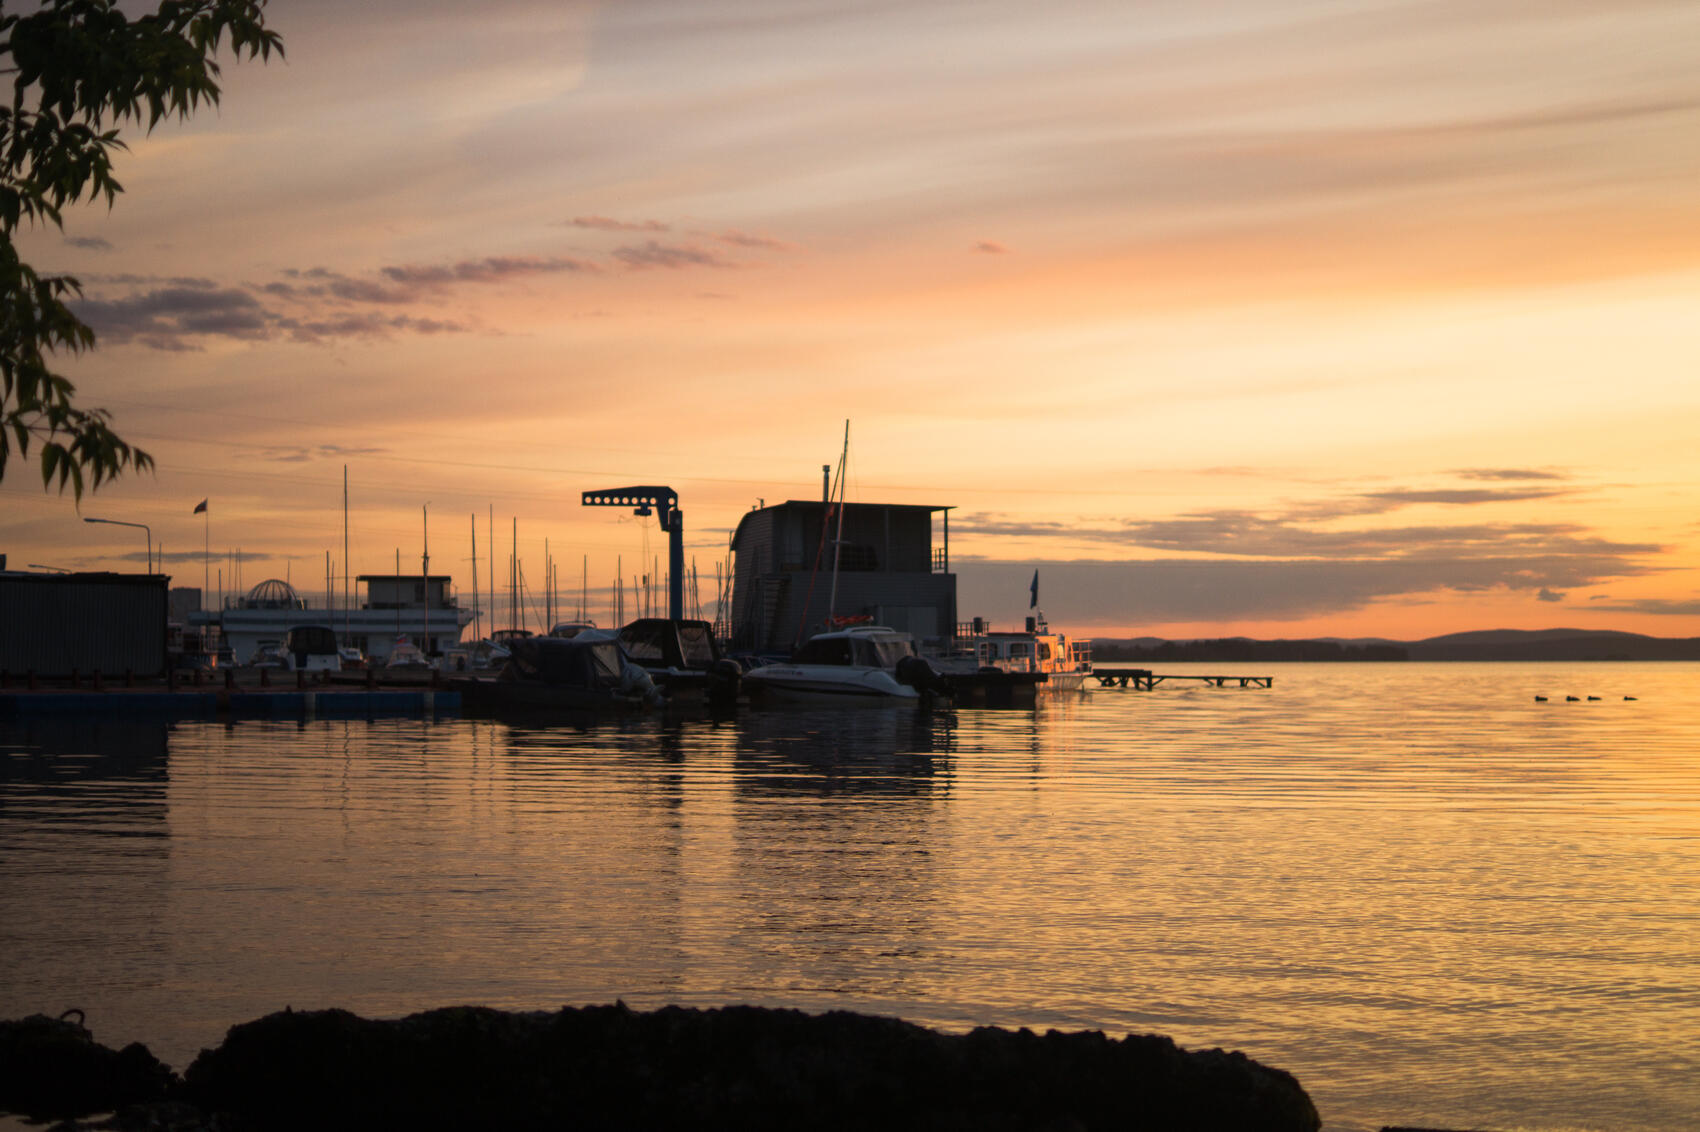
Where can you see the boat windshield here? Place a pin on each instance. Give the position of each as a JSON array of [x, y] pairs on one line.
[[882, 652], [828, 650]]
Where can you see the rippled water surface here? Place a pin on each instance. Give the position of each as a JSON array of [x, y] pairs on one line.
[[1433, 899]]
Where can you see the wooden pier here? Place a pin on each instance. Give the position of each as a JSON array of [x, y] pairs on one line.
[[1145, 680]]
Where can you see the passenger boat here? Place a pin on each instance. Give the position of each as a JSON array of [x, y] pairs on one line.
[[1064, 663], [859, 664]]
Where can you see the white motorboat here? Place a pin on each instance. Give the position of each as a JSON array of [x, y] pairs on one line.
[[861, 664], [405, 654]]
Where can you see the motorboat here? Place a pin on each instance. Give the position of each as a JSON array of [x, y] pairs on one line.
[[404, 654], [857, 664], [682, 657], [311, 648], [1063, 663], [563, 673], [270, 654]]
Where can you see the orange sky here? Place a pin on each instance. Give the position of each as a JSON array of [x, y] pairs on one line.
[[1269, 317]]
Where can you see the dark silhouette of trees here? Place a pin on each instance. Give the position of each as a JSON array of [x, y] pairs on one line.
[[80, 69]]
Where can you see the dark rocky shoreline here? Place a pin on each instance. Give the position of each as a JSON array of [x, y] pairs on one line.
[[605, 1067]]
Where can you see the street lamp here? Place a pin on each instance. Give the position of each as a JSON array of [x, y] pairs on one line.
[[122, 523]]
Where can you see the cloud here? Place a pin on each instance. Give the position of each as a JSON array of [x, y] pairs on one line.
[[92, 243], [1463, 496], [671, 256], [289, 455], [1548, 595], [491, 269], [609, 224], [751, 240], [990, 247], [1659, 606], [166, 318], [1167, 591], [1508, 474]]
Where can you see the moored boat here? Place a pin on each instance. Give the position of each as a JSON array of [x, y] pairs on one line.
[[861, 664]]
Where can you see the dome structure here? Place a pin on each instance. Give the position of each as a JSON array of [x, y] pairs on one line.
[[274, 593]]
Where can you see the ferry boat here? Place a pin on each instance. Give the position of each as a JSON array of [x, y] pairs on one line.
[[1064, 663]]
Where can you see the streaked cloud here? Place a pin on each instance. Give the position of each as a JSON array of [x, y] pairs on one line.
[[652, 253], [609, 224]]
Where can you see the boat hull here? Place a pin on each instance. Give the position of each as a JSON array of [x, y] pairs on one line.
[[825, 684]]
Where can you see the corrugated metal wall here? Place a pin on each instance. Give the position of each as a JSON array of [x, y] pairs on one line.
[[111, 623]]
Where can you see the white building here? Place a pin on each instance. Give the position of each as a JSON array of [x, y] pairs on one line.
[[420, 608]]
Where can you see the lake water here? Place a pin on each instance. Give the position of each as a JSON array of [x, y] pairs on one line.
[[1434, 900]]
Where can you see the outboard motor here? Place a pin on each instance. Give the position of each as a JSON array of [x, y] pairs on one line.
[[725, 677], [920, 675]]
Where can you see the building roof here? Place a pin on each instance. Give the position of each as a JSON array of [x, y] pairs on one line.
[[817, 505]]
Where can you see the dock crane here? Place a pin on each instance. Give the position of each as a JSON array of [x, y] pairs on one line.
[[665, 502]]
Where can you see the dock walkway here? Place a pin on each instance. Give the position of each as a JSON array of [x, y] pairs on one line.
[[1145, 680]]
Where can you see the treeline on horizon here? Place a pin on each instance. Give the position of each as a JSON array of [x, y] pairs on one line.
[[1462, 647], [1244, 649]]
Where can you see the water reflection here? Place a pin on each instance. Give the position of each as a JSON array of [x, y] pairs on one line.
[[85, 858], [1379, 878]]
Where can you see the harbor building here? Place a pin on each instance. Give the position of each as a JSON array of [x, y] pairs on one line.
[[65, 624], [420, 607], [888, 571]]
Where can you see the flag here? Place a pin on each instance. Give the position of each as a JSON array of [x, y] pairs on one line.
[[199, 507], [1033, 591]]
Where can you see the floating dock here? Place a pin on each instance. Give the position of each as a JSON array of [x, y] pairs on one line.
[[223, 703], [1145, 680]]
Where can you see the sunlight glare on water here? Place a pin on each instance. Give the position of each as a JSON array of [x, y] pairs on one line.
[[1434, 900]]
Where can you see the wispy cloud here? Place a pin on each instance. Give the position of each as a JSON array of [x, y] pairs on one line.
[[1509, 474], [653, 253], [751, 240], [990, 247], [609, 224]]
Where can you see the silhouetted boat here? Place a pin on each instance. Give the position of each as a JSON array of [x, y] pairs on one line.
[[860, 664]]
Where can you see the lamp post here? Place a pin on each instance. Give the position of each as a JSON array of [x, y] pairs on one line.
[[122, 523]]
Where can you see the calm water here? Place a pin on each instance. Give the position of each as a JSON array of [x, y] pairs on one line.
[[1434, 900]]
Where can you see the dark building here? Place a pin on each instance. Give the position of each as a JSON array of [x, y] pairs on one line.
[[57, 624], [887, 570]]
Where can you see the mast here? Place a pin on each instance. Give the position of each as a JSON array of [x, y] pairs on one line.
[[345, 569], [838, 539], [477, 614], [425, 578]]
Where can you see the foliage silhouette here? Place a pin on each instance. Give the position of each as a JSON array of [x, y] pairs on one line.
[[79, 70]]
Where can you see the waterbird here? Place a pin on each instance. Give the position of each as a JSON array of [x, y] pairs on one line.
[[1592, 698], [1629, 697], [1540, 699], [1572, 699]]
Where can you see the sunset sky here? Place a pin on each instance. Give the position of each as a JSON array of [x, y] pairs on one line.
[[1265, 317]]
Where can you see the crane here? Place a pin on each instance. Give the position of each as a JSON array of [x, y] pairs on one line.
[[664, 501]]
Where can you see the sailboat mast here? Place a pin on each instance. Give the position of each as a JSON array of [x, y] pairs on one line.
[[838, 539]]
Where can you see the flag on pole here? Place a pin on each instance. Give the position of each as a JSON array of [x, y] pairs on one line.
[[199, 507], [1033, 592]]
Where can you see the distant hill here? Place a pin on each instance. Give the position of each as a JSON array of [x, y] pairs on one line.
[[1554, 644], [1490, 644]]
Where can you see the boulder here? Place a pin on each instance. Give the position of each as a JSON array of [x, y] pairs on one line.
[[52, 1068], [741, 1066]]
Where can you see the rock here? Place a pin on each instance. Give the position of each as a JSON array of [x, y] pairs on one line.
[[748, 1067], [54, 1069]]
